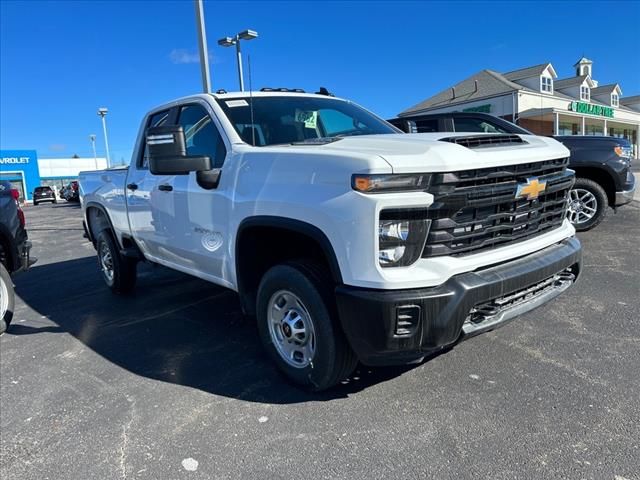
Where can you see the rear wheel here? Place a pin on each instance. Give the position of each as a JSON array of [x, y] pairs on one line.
[[118, 272], [35, 203], [7, 299], [588, 204], [298, 326]]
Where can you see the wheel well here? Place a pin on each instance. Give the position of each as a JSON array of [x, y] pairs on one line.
[[601, 177], [97, 221], [259, 248]]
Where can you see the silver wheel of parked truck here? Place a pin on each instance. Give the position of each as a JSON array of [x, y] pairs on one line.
[[587, 205]]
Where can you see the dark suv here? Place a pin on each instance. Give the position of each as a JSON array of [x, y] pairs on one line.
[[14, 249], [602, 164], [44, 194]]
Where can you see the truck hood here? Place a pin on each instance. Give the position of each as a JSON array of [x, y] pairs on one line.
[[427, 152]]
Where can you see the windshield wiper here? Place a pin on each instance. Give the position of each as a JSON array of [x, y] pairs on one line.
[[353, 133]]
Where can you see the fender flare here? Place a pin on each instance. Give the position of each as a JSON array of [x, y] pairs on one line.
[[106, 215], [297, 226]]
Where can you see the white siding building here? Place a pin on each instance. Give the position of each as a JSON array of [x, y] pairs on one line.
[[537, 100]]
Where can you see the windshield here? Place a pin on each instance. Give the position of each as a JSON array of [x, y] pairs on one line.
[[281, 120]]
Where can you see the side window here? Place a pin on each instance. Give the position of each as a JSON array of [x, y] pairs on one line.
[[201, 135], [155, 120], [427, 126], [476, 125]]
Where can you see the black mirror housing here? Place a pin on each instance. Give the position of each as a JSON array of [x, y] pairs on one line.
[[168, 152]]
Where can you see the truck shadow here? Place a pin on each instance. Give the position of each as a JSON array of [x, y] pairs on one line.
[[174, 328]]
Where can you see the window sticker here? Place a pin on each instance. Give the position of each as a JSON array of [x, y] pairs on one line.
[[236, 103], [310, 118]]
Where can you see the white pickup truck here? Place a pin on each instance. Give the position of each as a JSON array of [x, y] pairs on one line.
[[345, 238]]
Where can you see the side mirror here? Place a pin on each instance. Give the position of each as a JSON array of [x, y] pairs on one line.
[[168, 152]]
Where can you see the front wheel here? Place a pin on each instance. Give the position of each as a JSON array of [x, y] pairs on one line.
[[588, 204], [298, 326], [118, 272], [7, 299]]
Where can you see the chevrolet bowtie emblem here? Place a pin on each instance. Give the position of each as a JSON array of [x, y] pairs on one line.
[[531, 189]]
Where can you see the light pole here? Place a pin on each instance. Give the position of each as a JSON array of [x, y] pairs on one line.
[[92, 139], [230, 41], [202, 43], [102, 112]]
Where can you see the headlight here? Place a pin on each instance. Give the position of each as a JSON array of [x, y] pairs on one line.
[[401, 237], [390, 183]]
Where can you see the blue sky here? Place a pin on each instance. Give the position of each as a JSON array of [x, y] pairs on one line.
[[60, 61]]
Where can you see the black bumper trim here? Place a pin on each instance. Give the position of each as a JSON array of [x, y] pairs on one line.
[[368, 315]]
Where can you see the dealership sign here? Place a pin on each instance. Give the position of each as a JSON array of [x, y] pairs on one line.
[[591, 109], [14, 160], [21, 167]]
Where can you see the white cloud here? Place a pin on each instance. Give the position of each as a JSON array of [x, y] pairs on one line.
[[182, 56]]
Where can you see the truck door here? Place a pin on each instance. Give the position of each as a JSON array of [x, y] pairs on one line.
[[141, 191], [195, 218]]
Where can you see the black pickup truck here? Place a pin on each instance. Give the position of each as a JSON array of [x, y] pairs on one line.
[[602, 164]]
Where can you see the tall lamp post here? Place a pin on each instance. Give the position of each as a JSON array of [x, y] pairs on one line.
[[92, 138], [202, 44], [230, 41], [102, 112]]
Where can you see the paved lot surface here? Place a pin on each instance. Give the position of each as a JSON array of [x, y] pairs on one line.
[[95, 386]]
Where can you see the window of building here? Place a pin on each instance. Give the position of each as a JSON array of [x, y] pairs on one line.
[[584, 93], [546, 84], [201, 135], [615, 100]]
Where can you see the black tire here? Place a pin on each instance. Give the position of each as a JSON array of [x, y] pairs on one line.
[[35, 204], [7, 299], [121, 277], [333, 360], [597, 196]]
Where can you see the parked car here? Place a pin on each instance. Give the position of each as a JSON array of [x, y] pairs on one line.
[[348, 240], [71, 193], [14, 249], [602, 164], [44, 194], [603, 177]]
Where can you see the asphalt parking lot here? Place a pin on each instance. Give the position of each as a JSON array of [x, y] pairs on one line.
[[172, 383]]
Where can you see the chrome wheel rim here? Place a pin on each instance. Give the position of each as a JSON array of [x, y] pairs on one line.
[[291, 329], [583, 206], [4, 299], [106, 262]]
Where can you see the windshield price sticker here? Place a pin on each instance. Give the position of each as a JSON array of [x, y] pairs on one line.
[[309, 118], [236, 103]]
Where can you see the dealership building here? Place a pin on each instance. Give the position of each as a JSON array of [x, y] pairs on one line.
[[26, 171], [537, 100]]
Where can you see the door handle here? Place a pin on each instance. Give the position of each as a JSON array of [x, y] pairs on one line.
[[132, 186], [165, 188]]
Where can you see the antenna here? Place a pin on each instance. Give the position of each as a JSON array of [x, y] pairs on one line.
[[253, 128]]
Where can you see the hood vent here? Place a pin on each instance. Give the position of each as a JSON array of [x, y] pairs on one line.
[[485, 141]]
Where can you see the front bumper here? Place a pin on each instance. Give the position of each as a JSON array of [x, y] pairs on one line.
[[625, 196], [465, 305]]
